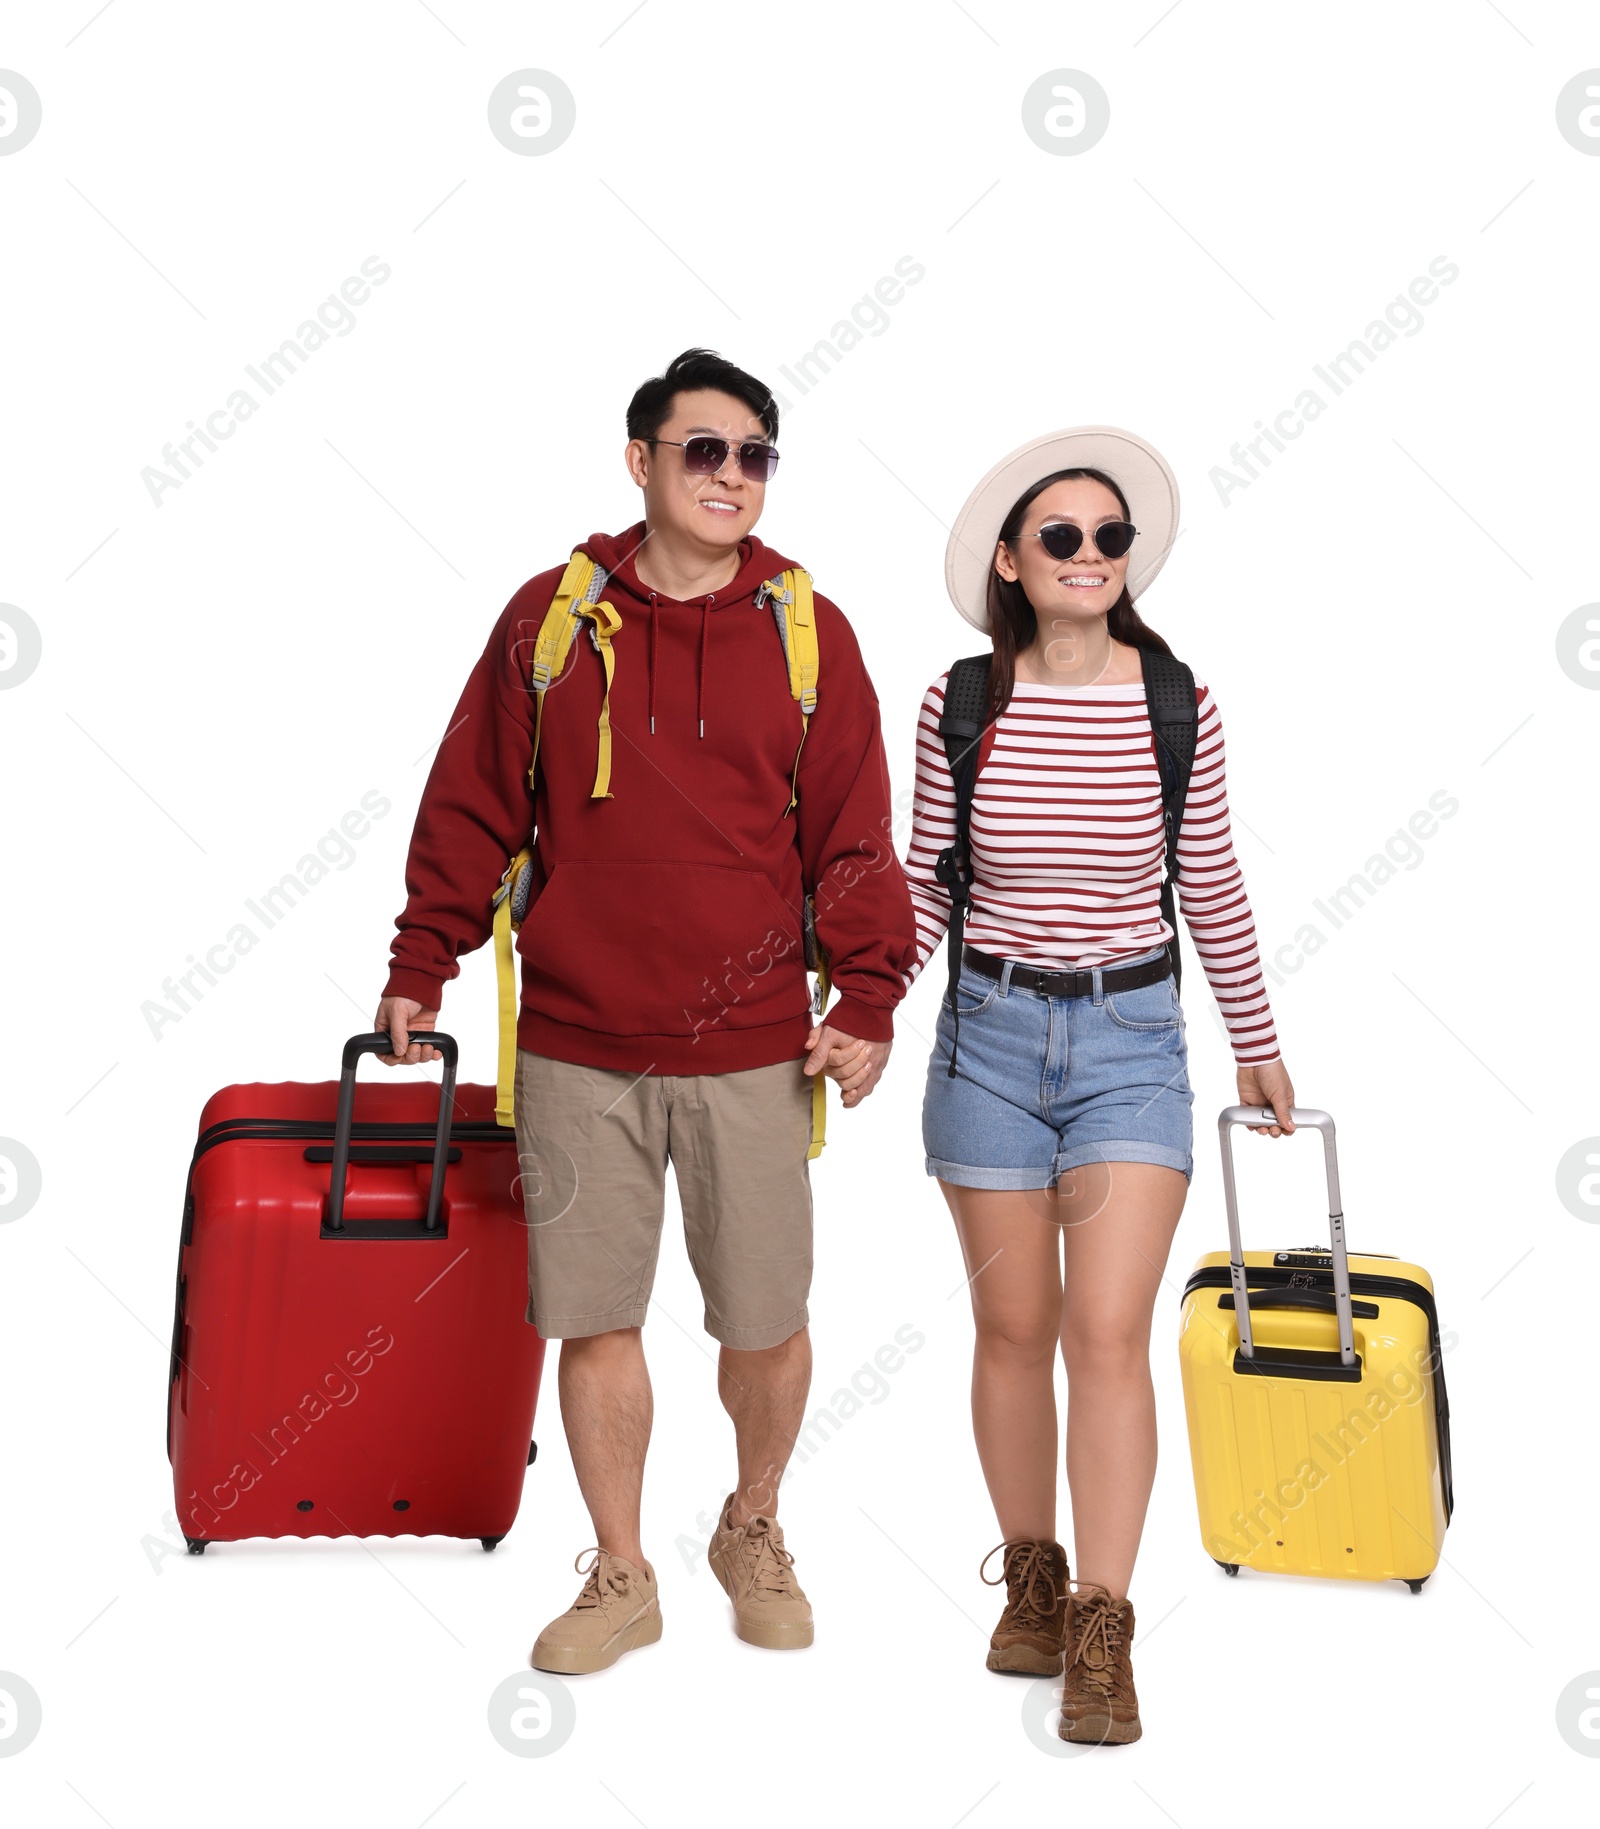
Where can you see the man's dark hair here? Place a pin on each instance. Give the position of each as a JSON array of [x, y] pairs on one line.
[[651, 406]]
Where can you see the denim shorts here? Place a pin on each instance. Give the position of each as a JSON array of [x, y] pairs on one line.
[[1046, 1084]]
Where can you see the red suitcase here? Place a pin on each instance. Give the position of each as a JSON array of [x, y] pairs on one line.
[[350, 1355]]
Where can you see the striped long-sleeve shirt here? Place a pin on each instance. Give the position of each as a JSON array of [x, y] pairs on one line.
[[1068, 851]]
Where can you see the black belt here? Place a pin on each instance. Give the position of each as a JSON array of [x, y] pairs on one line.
[[1071, 984]]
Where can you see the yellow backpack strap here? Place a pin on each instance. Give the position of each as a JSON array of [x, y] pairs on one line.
[[791, 593], [554, 641], [800, 627], [606, 623], [819, 1085], [510, 905], [796, 613], [550, 651], [581, 584]]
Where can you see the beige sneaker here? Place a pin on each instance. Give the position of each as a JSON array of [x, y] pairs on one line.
[[769, 1606], [616, 1611]]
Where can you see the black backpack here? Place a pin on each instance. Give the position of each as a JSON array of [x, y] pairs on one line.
[[1174, 720]]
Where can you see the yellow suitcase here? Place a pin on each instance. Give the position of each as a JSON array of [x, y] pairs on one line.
[[1318, 1424]]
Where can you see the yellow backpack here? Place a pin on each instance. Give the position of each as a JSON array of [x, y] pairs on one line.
[[577, 599]]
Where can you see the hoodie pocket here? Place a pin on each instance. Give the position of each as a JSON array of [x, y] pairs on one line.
[[656, 947]]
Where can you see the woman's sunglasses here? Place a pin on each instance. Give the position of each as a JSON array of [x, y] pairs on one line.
[[705, 456], [1062, 540]]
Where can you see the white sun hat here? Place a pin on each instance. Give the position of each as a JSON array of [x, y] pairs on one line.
[[1141, 472]]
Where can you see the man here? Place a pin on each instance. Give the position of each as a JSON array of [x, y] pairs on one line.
[[684, 806]]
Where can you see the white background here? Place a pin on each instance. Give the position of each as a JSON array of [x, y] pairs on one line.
[[224, 675]]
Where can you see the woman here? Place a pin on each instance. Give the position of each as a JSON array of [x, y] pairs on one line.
[[1063, 1141]]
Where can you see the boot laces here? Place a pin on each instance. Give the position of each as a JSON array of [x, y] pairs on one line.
[[606, 1582], [1026, 1574], [1101, 1641]]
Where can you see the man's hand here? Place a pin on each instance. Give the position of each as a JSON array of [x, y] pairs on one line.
[[1268, 1084], [398, 1017], [856, 1065]]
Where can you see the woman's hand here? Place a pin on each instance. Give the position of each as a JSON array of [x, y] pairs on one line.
[[1267, 1083]]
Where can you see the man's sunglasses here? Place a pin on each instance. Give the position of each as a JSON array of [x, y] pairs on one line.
[[1062, 540], [705, 456]]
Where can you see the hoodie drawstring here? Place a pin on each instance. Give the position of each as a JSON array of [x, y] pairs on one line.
[[705, 627], [654, 624], [706, 608]]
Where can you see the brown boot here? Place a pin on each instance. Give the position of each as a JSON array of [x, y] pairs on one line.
[[1098, 1704], [1031, 1637]]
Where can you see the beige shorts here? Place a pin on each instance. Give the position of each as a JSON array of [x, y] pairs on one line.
[[593, 1146]]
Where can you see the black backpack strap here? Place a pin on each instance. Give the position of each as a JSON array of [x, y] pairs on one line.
[[962, 723], [1174, 724]]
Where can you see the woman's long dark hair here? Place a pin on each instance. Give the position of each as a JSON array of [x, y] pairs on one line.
[[1013, 624]]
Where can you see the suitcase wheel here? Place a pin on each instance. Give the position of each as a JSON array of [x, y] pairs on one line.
[[488, 1542], [1415, 1586], [197, 1545], [1228, 1568], [533, 1452]]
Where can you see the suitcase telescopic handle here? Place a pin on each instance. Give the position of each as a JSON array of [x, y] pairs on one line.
[[380, 1043], [1307, 1118]]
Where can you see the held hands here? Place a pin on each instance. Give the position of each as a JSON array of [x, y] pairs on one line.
[[856, 1065], [1267, 1083], [403, 1020]]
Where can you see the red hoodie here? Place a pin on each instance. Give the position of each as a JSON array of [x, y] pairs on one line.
[[665, 931]]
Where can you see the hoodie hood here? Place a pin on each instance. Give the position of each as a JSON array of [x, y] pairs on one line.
[[615, 554], [615, 551]]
